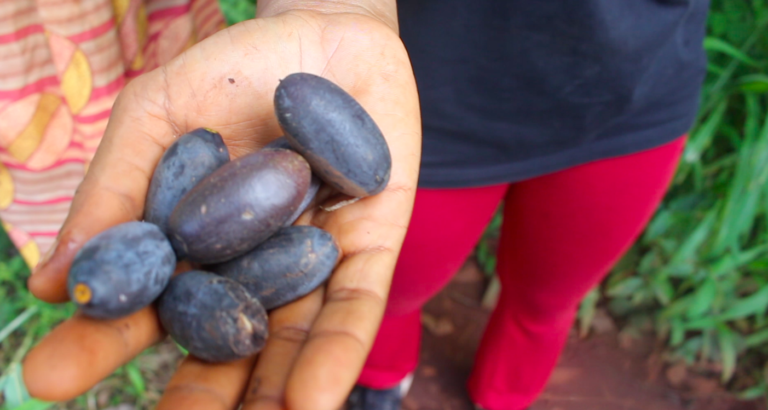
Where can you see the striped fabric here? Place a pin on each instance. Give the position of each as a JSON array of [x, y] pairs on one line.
[[62, 63]]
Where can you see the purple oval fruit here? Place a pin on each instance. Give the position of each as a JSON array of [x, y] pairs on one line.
[[334, 133], [239, 206], [314, 186], [287, 266], [314, 183], [185, 163], [214, 318]]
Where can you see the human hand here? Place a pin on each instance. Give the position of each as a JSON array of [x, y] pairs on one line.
[[318, 344]]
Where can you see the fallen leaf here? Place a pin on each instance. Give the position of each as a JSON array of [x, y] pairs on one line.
[[602, 323], [437, 326], [628, 338], [655, 365], [563, 375], [469, 273], [102, 398], [677, 374], [704, 386], [428, 371]]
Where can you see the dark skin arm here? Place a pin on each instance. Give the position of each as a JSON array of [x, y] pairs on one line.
[[318, 344]]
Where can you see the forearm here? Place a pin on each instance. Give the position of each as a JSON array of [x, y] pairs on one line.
[[383, 10]]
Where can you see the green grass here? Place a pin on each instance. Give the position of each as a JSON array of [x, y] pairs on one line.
[[700, 271], [236, 11], [24, 320]]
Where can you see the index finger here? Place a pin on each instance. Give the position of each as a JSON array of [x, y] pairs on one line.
[[370, 233], [343, 333]]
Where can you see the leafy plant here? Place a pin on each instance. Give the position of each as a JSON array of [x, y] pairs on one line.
[[701, 266], [236, 11]]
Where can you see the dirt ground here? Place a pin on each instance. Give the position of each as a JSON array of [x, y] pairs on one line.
[[595, 373]]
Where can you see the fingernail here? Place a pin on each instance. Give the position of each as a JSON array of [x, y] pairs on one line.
[[47, 257]]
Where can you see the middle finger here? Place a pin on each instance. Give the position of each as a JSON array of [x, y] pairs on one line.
[[288, 327]]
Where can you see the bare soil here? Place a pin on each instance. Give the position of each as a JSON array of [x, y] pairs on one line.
[[600, 372]]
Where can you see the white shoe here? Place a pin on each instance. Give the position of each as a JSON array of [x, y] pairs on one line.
[[364, 398]]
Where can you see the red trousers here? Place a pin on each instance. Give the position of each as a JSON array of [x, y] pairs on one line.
[[561, 234]]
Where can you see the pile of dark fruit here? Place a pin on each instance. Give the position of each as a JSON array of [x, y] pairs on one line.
[[234, 221]]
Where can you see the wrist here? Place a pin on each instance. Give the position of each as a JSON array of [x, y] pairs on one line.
[[382, 10]]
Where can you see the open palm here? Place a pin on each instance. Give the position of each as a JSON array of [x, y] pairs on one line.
[[318, 344]]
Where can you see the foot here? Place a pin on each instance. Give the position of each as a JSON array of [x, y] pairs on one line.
[[365, 398]]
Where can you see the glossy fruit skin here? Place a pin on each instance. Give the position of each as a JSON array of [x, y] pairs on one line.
[[334, 133], [314, 183], [214, 318], [239, 206], [314, 186], [279, 143], [190, 158], [290, 264], [125, 268]]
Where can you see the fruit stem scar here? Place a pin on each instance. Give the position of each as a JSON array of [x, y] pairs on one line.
[[82, 293]]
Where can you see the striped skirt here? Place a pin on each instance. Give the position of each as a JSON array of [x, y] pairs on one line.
[[62, 64]]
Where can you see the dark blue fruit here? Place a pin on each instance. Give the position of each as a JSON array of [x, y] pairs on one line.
[[192, 157], [214, 318], [289, 265], [334, 133], [121, 270], [239, 206]]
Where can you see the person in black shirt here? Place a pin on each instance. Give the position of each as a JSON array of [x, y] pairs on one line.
[[574, 112]]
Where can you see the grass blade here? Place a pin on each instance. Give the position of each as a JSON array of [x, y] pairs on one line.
[[754, 83], [18, 321], [686, 253], [626, 287], [748, 306], [14, 391], [33, 404], [703, 298], [725, 339], [587, 311], [753, 393], [702, 137], [731, 262], [720, 45], [136, 379], [756, 339], [725, 77]]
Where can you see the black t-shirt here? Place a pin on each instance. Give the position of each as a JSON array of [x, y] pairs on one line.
[[513, 89]]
